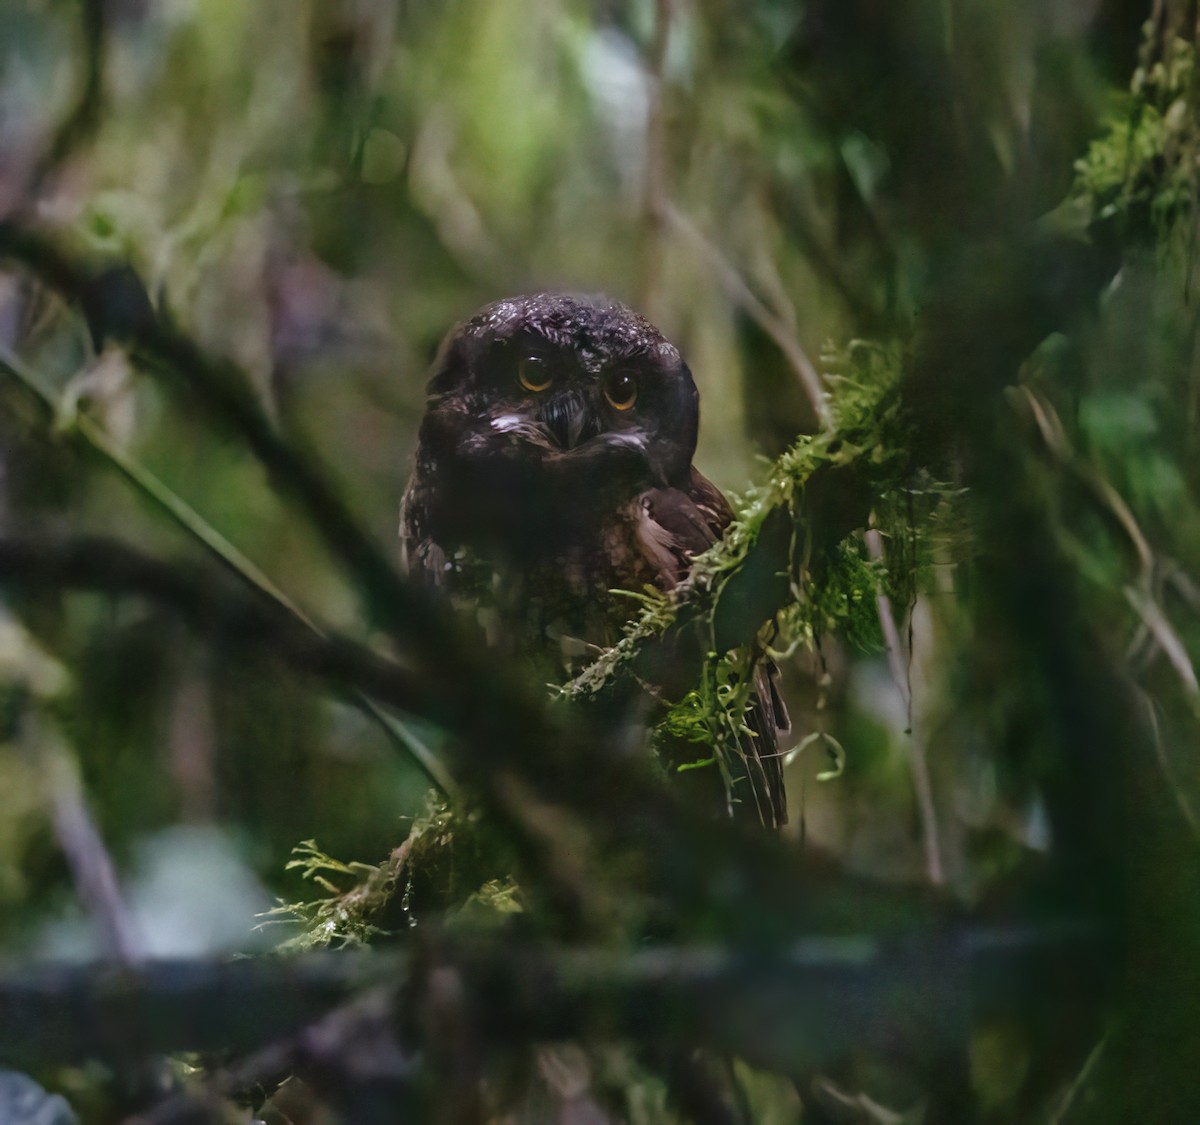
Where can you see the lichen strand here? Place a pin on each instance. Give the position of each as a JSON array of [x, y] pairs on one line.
[[711, 717]]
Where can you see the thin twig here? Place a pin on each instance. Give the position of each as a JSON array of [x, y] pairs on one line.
[[742, 295], [1155, 620], [917, 763], [1072, 1094], [1055, 437], [92, 869], [1178, 789], [654, 186], [83, 118]]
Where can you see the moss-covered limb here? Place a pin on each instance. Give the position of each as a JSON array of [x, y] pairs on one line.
[[344, 915], [782, 542], [783, 574], [453, 866]]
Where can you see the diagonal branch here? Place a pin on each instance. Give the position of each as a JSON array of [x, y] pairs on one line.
[[571, 795], [83, 119], [742, 295], [225, 395], [186, 517]]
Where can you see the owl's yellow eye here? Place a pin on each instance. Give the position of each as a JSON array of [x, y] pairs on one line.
[[533, 375], [621, 390]]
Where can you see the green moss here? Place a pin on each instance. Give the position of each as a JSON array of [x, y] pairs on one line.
[[1142, 168], [355, 894], [452, 863], [865, 433], [866, 436]]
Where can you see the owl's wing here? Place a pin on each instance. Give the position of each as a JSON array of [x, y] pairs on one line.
[[421, 559], [677, 525]]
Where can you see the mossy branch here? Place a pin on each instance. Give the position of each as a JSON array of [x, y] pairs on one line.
[[782, 546]]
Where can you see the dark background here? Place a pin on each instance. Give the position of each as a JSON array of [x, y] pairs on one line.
[[997, 198]]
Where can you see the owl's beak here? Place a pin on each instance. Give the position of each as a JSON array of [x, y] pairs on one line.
[[569, 419]]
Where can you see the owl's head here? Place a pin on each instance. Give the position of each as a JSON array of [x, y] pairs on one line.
[[564, 379]]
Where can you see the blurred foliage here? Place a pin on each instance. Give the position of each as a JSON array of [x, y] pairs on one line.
[[318, 189], [1143, 165]]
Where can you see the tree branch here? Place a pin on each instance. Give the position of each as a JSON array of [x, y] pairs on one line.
[[83, 119], [186, 517], [744, 297], [225, 394], [790, 1010], [213, 606]]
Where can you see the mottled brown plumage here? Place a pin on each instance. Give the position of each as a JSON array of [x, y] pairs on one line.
[[554, 467]]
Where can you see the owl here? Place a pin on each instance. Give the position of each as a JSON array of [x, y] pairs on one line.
[[553, 478]]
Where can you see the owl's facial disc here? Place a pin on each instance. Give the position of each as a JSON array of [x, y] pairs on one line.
[[555, 382]]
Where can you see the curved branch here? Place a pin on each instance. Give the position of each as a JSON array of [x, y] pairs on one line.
[[83, 118]]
